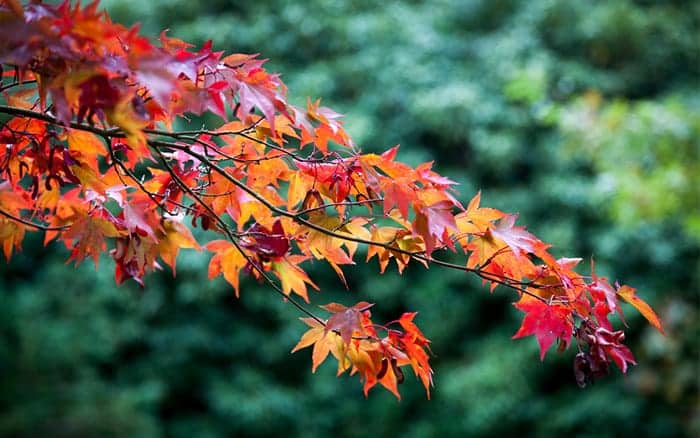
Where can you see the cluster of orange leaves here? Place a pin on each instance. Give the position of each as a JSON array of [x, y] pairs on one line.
[[89, 156]]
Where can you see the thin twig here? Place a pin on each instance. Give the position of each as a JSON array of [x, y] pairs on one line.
[[157, 144], [32, 224], [233, 240]]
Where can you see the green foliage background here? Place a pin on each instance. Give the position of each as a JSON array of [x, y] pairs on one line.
[[582, 116]]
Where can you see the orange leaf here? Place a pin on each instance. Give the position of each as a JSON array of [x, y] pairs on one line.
[[227, 260], [87, 144], [293, 278], [11, 236], [628, 294], [87, 235], [16, 7], [311, 336], [299, 186], [177, 236], [324, 342]]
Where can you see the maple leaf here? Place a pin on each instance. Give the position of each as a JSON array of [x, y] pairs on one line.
[[94, 96], [414, 343], [11, 201], [97, 95], [347, 321], [300, 185], [487, 254], [293, 278], [269, 244], [325, 247], [429, 176], [368, 362], [175, 236], [603, 343], [412, 330], [611, 342], [227, 260], [518, 240], [324, 342], [133, 124], [133, 258], [86, 237], [474, 225], [334, 179], [257, 88], [11, 236], [401, 239], [350, 336], [389, 377], [140, 218], [398, 192], [546, 321], [330, 127], [477, 219], [89, 179], [87, 145], [384, 235], [602, 290], [559, 278], [629, 295], [386, 164], [433, 223], [311, 336]]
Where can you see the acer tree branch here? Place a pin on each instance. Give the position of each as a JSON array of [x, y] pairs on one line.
[[84, 149]]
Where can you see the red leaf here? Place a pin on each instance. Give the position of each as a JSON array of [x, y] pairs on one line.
[[399, 193], [520, 241], [347, 321], [546, 321], [601, 290], [272, 244], [611, 343], [433, 222]]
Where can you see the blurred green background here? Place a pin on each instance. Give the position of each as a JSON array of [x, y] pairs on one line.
[[582, 116]]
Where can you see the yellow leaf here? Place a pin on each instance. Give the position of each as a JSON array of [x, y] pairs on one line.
[[11, 236], [299, 186], [48, 199], [124, 116], [88, 178]]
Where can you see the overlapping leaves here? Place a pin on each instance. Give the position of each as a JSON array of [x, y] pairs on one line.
[[89, 156]]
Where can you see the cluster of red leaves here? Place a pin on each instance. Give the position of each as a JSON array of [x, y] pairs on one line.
[[89, 157]]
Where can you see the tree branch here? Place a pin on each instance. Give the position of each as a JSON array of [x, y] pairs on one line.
[[295, 216], [32, 224]]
